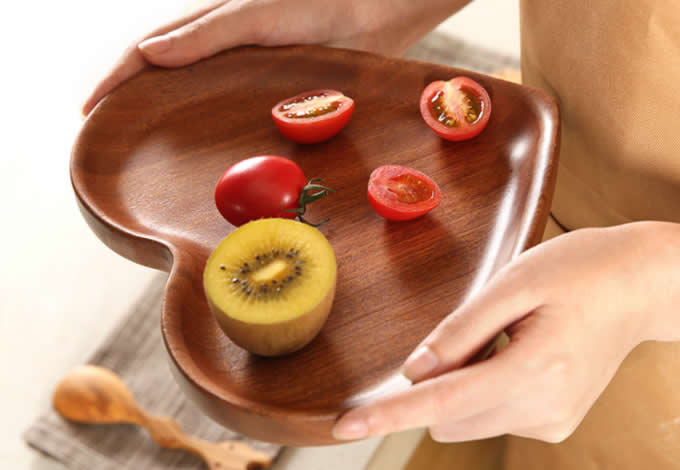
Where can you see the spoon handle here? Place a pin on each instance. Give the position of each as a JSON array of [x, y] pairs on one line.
[[228, 455]]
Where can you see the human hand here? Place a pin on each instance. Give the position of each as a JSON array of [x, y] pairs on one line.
[[573, 308], [384, 26]]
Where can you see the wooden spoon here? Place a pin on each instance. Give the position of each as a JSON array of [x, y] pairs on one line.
[[91, 394]]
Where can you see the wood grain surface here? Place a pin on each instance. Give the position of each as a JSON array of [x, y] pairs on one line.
[[144, 169]]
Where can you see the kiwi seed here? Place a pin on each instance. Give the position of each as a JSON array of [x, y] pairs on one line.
[[249, 287]]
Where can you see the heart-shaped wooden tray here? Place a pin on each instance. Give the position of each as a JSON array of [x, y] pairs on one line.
[[144, 169]]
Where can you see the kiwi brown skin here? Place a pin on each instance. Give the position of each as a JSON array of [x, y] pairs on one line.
[[276, 339]]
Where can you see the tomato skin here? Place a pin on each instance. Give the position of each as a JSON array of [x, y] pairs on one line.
[[259, 187], [314, 129], [384, 193], [465, 130]]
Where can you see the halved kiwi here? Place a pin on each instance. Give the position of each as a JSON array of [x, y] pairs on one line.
[[270, 284]]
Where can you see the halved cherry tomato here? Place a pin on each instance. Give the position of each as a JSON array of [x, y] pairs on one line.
[[402, 193], [456, 110], [313, 116], [265, 186]]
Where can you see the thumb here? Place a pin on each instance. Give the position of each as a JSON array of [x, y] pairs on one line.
[[223, 28], [507, 298]]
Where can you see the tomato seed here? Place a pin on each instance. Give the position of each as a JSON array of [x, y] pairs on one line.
[[302, 100], [409, 189], [440, 112]]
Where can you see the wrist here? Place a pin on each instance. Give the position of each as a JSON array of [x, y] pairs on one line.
[[400, 23], [658, 260]]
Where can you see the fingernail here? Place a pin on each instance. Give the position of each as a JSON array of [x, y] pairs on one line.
[[155, 46], [350, 428], [419, 364], [84, 110], [87, 108]]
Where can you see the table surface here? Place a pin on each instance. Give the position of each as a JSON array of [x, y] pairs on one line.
[[62, 289]]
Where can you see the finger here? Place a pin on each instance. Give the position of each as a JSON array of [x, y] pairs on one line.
[[490, 423], [506, 299], [132, 60], [450, 397], [554, 433], [223, 28]]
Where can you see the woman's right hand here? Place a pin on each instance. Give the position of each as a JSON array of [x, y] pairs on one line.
[[384, 26]]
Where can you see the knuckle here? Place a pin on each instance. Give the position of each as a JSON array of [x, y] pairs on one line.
[[557, 370], [515, 272], [440, 399], [533, 365], [377, 421], [450, 324], [438, 434], [561, 425], [557, 434], [521, 281], [197, 28], [561, 413], [536, 367], [262, 32], [116, 76], [132, 46], [551, 368]]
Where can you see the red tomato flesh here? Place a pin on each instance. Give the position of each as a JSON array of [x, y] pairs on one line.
[[313, 116], [259, 187], [402, 193], [458, 109]]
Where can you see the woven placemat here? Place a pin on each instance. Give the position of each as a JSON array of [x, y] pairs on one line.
[[135, 350]]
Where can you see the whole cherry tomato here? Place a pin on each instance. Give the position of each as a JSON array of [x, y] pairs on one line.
[[265, 186]]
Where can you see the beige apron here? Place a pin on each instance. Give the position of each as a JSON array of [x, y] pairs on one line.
[[615, 66]]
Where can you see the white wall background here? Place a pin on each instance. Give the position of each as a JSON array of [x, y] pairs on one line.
[[493, 24], [54, 307]]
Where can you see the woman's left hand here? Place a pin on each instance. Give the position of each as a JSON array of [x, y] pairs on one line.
[[573, 308]]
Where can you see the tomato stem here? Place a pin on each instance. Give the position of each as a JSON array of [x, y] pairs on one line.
[[311, 192], [303, 220]]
